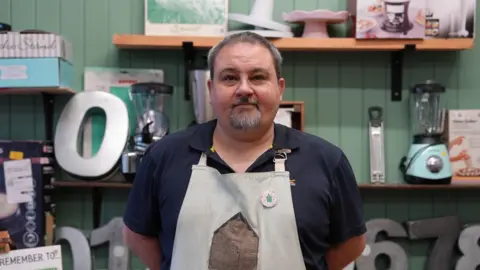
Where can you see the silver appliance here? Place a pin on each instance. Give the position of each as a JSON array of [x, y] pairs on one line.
[[152, 124], [200, 95]]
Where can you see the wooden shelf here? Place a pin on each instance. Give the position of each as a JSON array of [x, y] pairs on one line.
[[105, 184], [295, 44], [91, 184], [415, 187], [36, 90]]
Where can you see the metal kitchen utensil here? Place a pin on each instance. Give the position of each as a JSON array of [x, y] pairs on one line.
[[377, 150]]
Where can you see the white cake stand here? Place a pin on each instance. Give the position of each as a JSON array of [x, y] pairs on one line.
[[316, 21]]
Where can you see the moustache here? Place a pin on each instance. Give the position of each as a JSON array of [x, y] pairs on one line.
[[245, 101]]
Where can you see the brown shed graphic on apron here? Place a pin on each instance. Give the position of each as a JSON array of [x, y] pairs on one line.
[[234, 246]]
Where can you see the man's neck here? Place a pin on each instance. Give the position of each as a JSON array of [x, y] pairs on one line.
[[241, 140]]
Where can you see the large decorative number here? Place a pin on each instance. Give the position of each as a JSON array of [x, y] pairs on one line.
[[446, 230], [111, 233], [468, 244], [118, 255], [82, 259], [70, 124], [397, 256]]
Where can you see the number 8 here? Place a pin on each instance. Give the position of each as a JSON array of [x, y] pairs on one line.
[[396, 254]]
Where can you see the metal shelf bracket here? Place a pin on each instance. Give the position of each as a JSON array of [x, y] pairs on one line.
[[189, 54], [396, 68]]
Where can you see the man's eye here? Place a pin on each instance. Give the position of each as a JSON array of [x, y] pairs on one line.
[[229, 78], [258, 78]]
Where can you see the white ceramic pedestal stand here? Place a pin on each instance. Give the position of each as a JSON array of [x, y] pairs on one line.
[[316, 21], [261, 16]]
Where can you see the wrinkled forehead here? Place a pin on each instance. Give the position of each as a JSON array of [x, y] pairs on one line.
[[244, 57]]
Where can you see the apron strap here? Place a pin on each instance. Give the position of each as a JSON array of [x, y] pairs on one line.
[[279, 160], [203, 160]]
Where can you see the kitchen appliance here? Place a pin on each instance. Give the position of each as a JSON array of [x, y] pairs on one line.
[[200, 94], [396, 16], [427, 161], [149, 100]]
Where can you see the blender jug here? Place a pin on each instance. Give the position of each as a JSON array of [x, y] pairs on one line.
[[149, 101], [427, 108]]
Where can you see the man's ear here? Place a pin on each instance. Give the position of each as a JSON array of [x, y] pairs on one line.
[[281, 87]]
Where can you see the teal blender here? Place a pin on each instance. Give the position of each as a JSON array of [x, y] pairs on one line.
[[427, 162]]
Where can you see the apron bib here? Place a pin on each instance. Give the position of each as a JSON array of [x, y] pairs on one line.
[[237, 221]]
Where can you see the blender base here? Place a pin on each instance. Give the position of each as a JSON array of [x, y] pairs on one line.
[[427, 162], [415, 180]]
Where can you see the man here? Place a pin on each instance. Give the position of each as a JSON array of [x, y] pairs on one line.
[[241, 192]]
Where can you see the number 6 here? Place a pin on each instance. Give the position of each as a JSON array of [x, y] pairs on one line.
[[397, 256]]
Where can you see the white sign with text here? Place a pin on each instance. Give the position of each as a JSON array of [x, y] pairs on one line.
[[41, 258]]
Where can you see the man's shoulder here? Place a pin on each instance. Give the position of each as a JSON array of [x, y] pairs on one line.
[[316, 147]]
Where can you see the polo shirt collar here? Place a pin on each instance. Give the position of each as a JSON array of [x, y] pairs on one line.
[[202, 137]]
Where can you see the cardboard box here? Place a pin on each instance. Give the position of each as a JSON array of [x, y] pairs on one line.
[[450, 19], [25, 222], [27, 45], [464, 144], [388, 19], [36, 72]]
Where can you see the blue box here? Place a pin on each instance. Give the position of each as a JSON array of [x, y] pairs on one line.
[[36, 72]]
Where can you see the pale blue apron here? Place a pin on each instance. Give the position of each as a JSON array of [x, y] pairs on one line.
[[263, 200]]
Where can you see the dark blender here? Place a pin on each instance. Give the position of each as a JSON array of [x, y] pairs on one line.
[[149, 100]]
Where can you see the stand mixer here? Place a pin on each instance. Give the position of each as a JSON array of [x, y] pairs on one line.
[[151, 123], [427, 161], [396, 16]]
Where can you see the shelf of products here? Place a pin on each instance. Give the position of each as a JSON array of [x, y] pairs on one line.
[[34, 90], [295, 44], [93, 184]]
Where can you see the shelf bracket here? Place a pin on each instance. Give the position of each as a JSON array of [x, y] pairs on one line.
[[189, 54], [48, 109], [97, 206], [396, 68]]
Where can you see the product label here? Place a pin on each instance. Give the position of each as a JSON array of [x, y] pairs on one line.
[[18, 181], [13, 72]]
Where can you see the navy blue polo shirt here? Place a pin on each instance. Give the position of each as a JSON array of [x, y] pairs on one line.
[[326, 199]]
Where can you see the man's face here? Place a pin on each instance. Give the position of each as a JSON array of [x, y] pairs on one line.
[[245, 90]]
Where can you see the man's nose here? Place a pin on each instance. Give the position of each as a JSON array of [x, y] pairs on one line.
[[244, 88]]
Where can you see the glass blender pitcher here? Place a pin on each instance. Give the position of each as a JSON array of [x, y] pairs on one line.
[[149, 100], [427, 161]]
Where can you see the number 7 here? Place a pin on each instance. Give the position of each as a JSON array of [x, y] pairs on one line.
[[446, 230]]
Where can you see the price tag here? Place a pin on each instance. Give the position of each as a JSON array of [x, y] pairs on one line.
[[18, 180], [49, 257]]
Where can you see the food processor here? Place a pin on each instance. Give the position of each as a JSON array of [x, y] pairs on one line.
[[396, 16], [149, 100], [427, 161]]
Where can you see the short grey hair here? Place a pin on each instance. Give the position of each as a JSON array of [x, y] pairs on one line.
[[245, 37]]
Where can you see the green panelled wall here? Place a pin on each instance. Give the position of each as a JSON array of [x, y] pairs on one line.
[[337, 89]]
